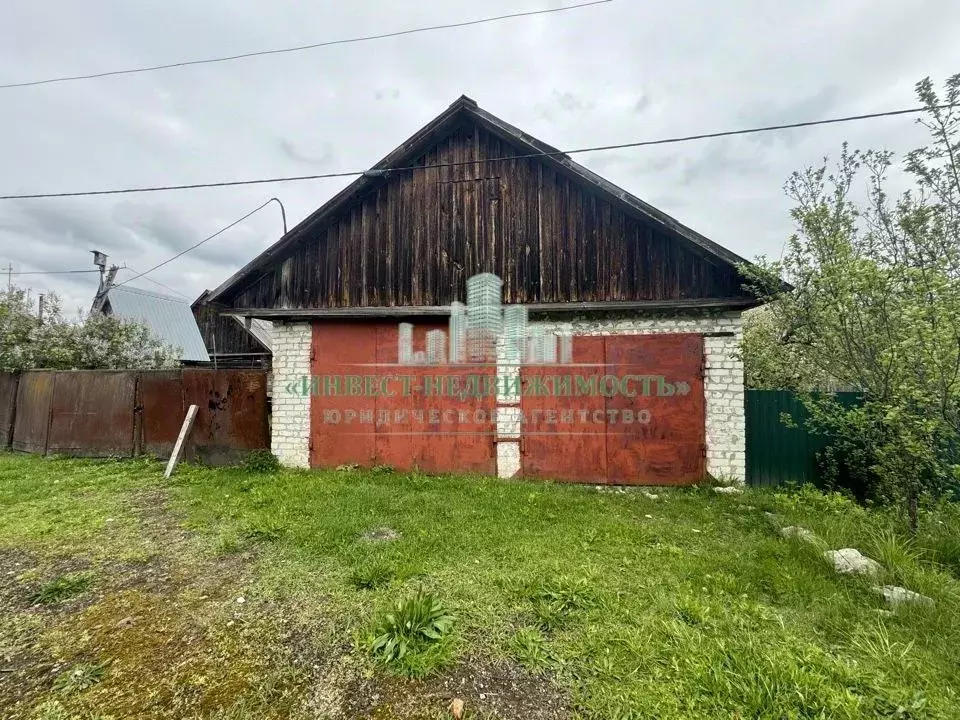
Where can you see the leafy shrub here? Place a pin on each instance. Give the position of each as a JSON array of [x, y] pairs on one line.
[[98, 342], [262, 462], [63, 588], [412, 626]]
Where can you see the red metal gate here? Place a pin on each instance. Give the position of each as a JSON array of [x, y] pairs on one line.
[[367, 409], [631, 412]]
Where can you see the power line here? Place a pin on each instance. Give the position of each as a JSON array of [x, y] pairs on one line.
[[194, 247], [479, 161], [53, 272], [300, 48], [156, 282]]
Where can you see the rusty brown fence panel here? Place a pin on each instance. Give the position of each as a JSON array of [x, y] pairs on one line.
[[92, 414], [161, 411], [8, 405], [232, 419], [127, 413], [32, 422]]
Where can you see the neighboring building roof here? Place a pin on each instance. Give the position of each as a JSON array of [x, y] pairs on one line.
[[228, 334], [168, 318], [406, 152]]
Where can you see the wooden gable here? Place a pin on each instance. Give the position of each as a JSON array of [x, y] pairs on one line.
[[412, 236]]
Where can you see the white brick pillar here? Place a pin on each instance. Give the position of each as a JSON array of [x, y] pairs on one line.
[[290, 428], [726, 423]]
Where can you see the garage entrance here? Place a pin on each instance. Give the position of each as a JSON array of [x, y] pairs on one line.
[[629, 410], [366, 409]]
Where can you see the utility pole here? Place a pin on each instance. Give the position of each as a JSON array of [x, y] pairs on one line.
[[106, 280], [40, 314], [9, 277]]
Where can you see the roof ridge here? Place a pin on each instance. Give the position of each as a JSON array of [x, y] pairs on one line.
[[148, 293]]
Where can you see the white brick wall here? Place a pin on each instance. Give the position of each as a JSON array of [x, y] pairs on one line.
[[723, 380], [290, 427]]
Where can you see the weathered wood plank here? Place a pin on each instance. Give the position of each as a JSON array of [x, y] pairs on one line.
[[416, 236]]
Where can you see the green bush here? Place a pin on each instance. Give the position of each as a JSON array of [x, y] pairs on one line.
[[411, 627], [262, 462]]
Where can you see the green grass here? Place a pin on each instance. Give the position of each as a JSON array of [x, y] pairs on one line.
[[689, 606], [62, 588]]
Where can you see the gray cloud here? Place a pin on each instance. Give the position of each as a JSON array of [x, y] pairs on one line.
[[642, 104], [720, 159], [326, 158]]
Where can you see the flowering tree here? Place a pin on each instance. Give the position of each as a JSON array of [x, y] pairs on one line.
[[96, 342]]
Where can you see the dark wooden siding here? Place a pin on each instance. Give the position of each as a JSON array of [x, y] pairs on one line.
[[222, 334], [416, 238]]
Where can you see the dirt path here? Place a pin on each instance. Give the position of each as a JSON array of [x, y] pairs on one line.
[[168, 632]]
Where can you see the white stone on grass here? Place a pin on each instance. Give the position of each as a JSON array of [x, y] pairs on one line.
[[896, 596], [729, 490], [800, 533], [850, 561]]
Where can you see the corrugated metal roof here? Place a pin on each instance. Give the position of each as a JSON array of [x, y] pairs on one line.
[[262, 330], [168, 318]]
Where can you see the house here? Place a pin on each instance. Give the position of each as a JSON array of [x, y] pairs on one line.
[[168, 319], [626, 323]]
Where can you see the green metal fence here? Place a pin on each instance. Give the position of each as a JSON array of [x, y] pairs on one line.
[[777, 453]]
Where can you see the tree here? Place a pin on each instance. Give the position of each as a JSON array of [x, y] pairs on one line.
[[97, 342], [876, 303], [772, 363]]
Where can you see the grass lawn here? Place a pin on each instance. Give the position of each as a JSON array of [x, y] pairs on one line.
[[235, 595]]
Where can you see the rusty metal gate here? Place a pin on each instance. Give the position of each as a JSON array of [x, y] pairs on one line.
[[630, 410], [91, 414], [8, 404], [125, 413], [232, 416], [365, 409], [33, 411], [160, 412]]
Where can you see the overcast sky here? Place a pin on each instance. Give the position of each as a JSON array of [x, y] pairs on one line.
[[624, 71]]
